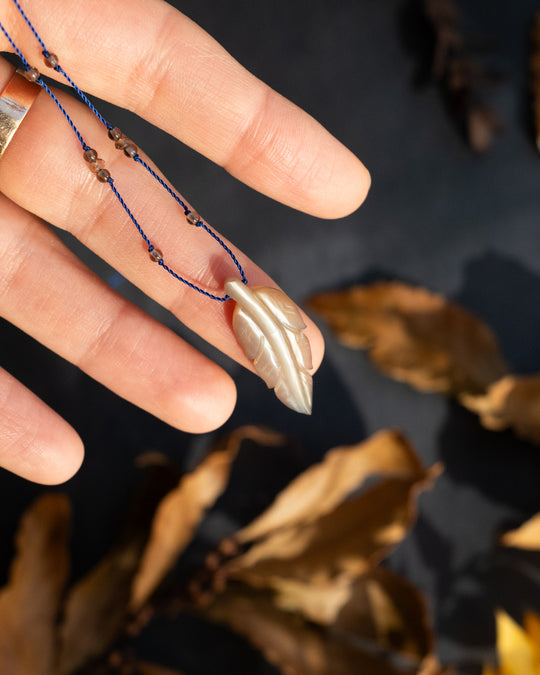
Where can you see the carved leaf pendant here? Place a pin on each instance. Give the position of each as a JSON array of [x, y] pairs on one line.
[[269, 328]]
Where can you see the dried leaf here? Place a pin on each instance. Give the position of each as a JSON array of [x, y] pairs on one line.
[[180, 513], [519, 653], [431, 666], [291, 644], [30, 603], [324, 486], [321, 533], [312, 568], [97, 606], [415, 336], [385, 608], [512, 402], [527, 536]]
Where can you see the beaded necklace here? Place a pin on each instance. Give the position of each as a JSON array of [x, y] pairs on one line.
[[266, 322]]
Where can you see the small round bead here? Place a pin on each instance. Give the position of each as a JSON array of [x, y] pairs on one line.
[[96, 166], [51, 60], [90, 155], [130, 150], [31, 74], [155, 255], [103, 175], [115, 134], [121, 143], [193, 217]]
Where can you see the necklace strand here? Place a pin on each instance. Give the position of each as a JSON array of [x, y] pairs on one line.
[[121, 142]]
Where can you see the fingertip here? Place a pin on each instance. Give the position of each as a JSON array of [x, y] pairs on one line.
[[56, 458], [351, 185], [207, 406]]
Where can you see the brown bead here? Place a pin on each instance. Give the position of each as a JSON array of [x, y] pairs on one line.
[[121, 143], [32, 74], [103, 175], [115, 134], [130, 150], [90, 155], [155, 255], [193, 217], [96, 166], [51, 60]]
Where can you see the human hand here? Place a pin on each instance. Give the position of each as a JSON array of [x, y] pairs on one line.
[[145, 56]]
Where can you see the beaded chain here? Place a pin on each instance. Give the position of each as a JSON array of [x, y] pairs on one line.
[[121, 142]]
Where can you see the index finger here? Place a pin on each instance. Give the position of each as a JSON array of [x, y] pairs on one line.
[[146, 56]]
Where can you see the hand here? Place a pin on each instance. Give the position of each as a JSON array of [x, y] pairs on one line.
[[145, 56]]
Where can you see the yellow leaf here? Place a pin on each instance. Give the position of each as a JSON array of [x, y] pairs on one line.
[[527, 536], [518, 653]]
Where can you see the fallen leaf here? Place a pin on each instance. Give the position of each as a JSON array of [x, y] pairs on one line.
[[519, 654], [512, 402], [415, 336], [322, 487], [527, 536], [312, 568], [96, 607], [30, 603], [182, 510], [323, 531], [387, 609], [291, 644]]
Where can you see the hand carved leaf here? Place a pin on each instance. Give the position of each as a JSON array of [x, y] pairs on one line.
[[269, 328]]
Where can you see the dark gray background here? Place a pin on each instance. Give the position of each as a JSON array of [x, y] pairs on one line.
[[438, 215]]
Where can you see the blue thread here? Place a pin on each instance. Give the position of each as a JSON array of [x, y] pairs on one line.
[[136, 157]]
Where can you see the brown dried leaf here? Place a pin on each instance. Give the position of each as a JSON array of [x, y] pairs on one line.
[[30, 602], [527, 536], [415, 336], [324, 486], [180, 513], [97, 606], [312, 568], [311, 552], [387, 609], [512, 402], [431, 666], [291, 644]]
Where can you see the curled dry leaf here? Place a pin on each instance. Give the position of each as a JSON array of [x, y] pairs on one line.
[[310, 546], [518, 646], [182, 510], [291, 644], [512, 402], [527, 536], [30, 602], [322, 487], [415, 336], [534, 67], [387, 609], [96, 607]]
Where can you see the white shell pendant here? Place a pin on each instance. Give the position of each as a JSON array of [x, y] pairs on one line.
[[269, 328]]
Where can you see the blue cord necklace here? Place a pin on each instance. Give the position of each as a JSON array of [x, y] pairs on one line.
[[266, 322]]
